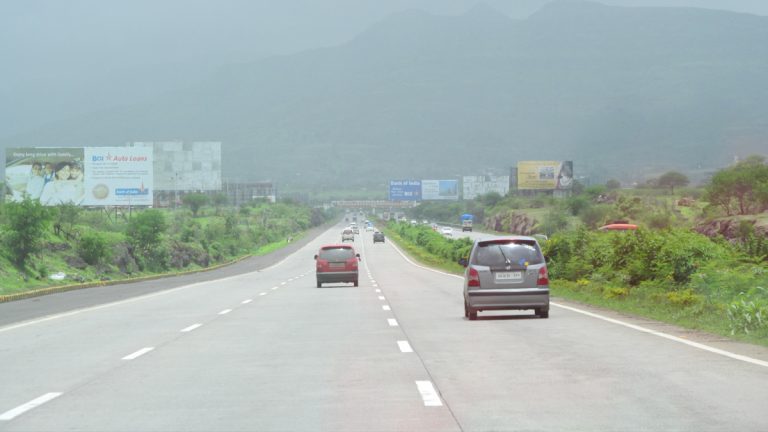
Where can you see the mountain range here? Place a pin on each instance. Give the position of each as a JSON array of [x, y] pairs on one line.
[[623, 92]]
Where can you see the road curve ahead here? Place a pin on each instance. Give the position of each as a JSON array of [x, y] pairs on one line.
[[268, 351]]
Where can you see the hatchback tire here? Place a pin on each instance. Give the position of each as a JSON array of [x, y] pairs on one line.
[[542, 313], [319, 284], [356, 283], [472, 314]]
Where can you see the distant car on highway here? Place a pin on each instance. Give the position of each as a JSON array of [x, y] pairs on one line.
[[506, 273], [347, 235], [378, 237], [355, 229], [446, 231], [337, 263], [369, 228]]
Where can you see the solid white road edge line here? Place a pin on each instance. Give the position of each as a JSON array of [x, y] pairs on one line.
[[225, 311], [190, 328], [392, 322], [428, 393], [34, 403], [622, 323], [668, 336], [404, 346], [138, 353]]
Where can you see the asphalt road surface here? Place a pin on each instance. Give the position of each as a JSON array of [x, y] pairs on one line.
[[268, 351]]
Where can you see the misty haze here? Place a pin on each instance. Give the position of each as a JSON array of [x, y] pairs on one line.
[[400, 215]]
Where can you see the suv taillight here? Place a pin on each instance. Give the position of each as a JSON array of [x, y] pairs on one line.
[[543, 277], [474, 278]]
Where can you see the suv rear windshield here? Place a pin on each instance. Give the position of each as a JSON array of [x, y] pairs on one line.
[[496, 253], [336, 254]]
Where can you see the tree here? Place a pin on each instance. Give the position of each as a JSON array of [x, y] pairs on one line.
[[219, 200], [194, 201], [742, 188], [145, 230], [612, 184], [27, 221], [66, 214], [671, 179]]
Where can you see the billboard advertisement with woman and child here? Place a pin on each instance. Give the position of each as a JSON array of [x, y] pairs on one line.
[[87, 176]]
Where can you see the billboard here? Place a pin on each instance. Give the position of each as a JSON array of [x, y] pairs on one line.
[[545, 175], [405, 190], [479, 185], [185, 166], [91, 176], [440, 190], [51, 175]]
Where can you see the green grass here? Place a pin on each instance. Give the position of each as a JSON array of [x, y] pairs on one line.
[[699, 315], [422, 256]]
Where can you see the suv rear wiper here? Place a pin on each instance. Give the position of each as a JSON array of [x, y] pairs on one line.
[[506, 259]]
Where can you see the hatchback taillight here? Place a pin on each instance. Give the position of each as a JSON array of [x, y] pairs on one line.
[[352, 263], [321, 264], [543, 277], [474, 278]]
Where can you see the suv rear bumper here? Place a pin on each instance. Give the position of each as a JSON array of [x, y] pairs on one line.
[[523, 298], [325, 277]]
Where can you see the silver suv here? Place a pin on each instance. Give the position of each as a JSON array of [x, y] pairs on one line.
[[505, 273]]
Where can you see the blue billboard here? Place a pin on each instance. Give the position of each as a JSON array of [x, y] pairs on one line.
[[405, 190]]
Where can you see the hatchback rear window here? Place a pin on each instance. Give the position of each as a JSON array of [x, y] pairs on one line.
[[336, 254], [513, 252]]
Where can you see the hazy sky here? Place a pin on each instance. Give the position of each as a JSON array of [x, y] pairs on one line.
[[63, 57]]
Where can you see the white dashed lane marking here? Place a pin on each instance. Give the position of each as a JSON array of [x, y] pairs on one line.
[[190, 328], [34, 403], [386, 307], [138, 353], [428, 393], [262, 294], [392, 322], [225, 311], [247, 301], [381, 298], [404, 346]]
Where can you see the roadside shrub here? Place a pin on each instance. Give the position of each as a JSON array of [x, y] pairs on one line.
[[93, 248], [594, 216], [685, 297], [747, 316], [615, 292]]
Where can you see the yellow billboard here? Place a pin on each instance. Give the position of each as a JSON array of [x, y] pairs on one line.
[[545, 175]]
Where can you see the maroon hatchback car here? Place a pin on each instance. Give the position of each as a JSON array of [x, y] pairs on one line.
[[337, 263]]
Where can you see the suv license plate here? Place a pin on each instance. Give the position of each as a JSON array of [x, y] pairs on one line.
[[511, 276]]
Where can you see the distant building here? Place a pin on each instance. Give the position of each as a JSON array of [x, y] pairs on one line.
[[239, 193]]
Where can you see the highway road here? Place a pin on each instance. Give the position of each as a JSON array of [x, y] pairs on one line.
[[268, 351]]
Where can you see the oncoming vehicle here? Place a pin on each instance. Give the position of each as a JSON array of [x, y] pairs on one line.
[[347, 235], [336, 263], [378, 237], [506, 273]]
